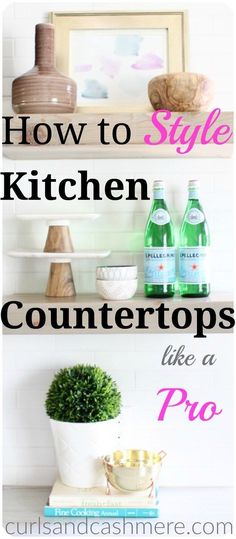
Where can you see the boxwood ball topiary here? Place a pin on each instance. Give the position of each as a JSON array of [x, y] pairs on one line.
[[83, 394]]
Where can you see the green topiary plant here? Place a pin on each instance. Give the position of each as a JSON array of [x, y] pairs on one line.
[[83, 394]]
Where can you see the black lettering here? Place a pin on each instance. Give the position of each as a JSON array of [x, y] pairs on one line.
[[142, 316], [34, 186], [201, 325], [188, 318], [65, 318], [104, 318], [22, 130], [161, 316], [127, 135], [84, 187], [124, 314], [102, 126], [5, 314], [13, 186], [41, 319], [132, 186], [90, 318], [48, 187], [69, 131], [48, 131], [109, 187], [226, 317], [62, 189]]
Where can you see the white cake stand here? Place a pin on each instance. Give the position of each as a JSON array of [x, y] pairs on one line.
[[59, 250]]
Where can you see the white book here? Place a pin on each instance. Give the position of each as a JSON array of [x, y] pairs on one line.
[[64, 496]]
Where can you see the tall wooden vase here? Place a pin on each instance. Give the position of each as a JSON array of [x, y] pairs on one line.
[[43, 88]]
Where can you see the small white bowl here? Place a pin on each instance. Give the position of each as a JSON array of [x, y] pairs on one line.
[[116, 290], [116, 273]]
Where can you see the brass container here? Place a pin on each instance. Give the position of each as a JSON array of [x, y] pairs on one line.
[[133, 470]]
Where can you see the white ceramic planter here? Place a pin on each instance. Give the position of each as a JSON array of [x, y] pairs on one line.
[[79, 449]]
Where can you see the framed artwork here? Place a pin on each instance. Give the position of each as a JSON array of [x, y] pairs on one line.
[[113, 56]]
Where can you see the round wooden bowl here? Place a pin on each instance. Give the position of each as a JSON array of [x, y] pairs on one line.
[[180, 92]]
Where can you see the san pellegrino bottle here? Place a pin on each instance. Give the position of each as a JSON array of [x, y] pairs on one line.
[[159, 248], [194, 245]]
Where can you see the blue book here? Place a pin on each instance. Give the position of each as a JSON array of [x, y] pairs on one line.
[[99, 512]]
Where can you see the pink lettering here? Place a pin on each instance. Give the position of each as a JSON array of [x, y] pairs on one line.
[[178, 396], [161, 129], [211, 120], [170, 394], [184, 137]]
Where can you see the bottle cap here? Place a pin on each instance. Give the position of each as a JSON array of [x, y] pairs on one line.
[[158, 184], [193, 184]]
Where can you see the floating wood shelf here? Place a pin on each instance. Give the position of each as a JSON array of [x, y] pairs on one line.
[[91, 147], [217, 301]]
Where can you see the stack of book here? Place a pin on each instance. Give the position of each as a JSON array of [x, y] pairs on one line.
[[66, 501]]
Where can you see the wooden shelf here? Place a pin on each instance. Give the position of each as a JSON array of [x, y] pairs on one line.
[[217, 301], [91, 147]]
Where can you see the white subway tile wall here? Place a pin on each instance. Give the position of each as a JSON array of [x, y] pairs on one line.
[[199, 453], [121, 224], [195, 449], [210, 43]]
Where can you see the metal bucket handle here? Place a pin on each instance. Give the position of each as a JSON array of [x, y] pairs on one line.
[[162, 454]]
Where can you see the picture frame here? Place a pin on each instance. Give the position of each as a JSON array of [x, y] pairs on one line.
[[112, 56]]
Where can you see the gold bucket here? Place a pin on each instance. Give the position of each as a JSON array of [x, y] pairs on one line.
[[133, 470]]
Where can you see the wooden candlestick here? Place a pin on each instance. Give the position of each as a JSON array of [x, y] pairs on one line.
[[59, 250], [60, 281], [58, 240]]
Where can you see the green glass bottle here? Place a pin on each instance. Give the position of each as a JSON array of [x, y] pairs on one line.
[[194, 245], [159, 248]]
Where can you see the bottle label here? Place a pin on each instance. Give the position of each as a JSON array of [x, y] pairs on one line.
[[192, 192], [160, 217], [195, 216], [194, 265], [159, 265], [159, 194]]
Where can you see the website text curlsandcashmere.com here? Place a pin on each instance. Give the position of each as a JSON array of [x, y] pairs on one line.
[[122, 527]]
